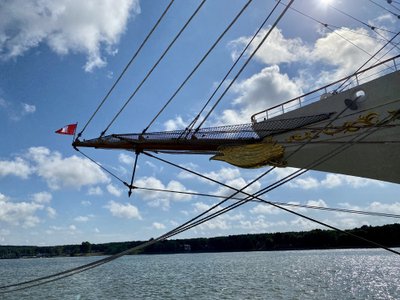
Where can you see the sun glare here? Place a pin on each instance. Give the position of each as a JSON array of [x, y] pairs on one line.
[[326, 2]]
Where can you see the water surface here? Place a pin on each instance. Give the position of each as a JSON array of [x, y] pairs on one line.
[[319, 274]]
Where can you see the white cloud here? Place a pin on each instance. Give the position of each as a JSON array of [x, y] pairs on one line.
[[3, 103], [64, 26], [113, 190], [332, 54], [42, 197], [28, 108], [16, 111], [161, 199], [126, 159], [332, 181], [319, 202], [95, 191], [337, 180], [51, 212], [305, 183], [222, 175], [335, 50], [258, 92], [276, 48], [392, 208], [19, 213], [157, 225], [175, 124], [86, 203], [73, 171], [238, 183], [265, 209], [127, 210], [217, 223], [260, 224], [83, 218], [3, 197], [201, 206], [17, 167], [303, 224]]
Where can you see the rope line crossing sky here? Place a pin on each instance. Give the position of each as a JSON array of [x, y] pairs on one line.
[[190, 126], [203, 217], [192, 222]]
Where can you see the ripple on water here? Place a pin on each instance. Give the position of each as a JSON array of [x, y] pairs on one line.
[[333, 274]]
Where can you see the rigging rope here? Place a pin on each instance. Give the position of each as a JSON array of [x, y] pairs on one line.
[[196, 118], [390, 2], [155, 65], [126, 67], [198, 64], [51, 278], [373, 28], [316, 207], [384, 8], [376, 53], [275, 185], [245, 64]]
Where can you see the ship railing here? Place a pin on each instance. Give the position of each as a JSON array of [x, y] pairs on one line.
[[384, 67]]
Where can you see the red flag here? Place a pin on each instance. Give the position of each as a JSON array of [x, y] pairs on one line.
[[69, 129]]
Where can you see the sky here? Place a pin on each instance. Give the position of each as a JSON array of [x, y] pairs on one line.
[[58, 59]]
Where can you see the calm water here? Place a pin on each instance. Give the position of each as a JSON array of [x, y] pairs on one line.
[[332, 274]]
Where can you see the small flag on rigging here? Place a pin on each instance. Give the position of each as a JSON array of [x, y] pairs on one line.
[[68, 129]]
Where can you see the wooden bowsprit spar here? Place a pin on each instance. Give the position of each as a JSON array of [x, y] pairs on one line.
[[204, 141], [274, 134]]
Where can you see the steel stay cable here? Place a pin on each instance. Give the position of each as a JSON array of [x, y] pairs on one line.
[[354, 18], [298, 149], [368, 60], [384, 8], [79, 269], [181, 226], [369, 26], [373, 28], [198, 64], [196, 118], [127, 66], [245, 64], [333, 209], [343, 86], [154, 66], [274, 186], [103, 168], [174, 232], [123, 253], [335, 26], [97, 263], [392, 5]]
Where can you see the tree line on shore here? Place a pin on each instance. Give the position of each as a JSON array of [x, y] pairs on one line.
[[387, 235]]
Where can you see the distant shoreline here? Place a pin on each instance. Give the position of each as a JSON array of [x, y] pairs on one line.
[[387, 235]]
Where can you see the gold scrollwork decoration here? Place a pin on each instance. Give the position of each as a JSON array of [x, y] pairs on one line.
[[363, 121], [256, 155]]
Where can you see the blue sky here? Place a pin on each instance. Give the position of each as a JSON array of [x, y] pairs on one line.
[[59, 58]]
